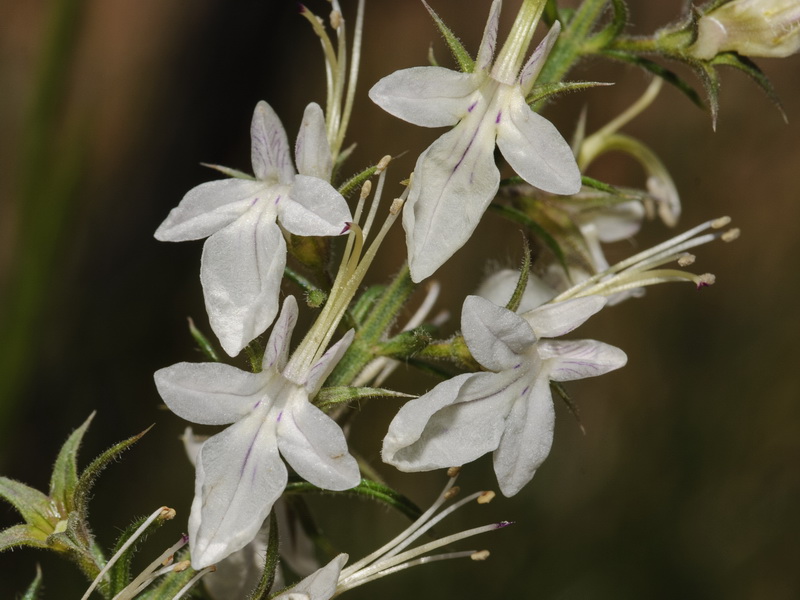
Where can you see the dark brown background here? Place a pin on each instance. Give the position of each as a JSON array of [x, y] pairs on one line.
[[686, 484]]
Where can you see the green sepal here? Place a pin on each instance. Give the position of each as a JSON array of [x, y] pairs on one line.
[[454, 350], [561, 392], [315, 296], [601, 186], [614, 29], [354, 183], [21, 535], [747, 66], [369, 489], [271, 565], [235, 173], [32, 593], [512, 214], [203, 343], [460, 54], [36, 509], [710, 78], [89, 475], [64, 479], [548, 90], [406, 343], [76, 540], [330, 397], [522, 282], [658, 70]]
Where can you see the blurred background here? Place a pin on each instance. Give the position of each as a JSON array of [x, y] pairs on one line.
[[686, 483]]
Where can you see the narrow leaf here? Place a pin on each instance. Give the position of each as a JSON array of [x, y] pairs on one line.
[[33, 505], [271, 565], [22, 535], [462, 57], [229, 172], [522, 282], [611, 31], [548, 90], [406, 343], [65, 472], [205, 346], [329, 397], [32, 593], [747, 66], [354, 183]]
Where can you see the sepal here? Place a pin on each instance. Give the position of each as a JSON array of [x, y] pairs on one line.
[[465, 62]]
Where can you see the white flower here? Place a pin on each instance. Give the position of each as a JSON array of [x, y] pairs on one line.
[[456, 178], [240, 473], [751, 28], [245, 255], [320, 585], [509, 410]]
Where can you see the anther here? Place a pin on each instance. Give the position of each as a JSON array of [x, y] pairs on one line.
[[382, 164], [366, 189], [452, 492], [731, 234], [167, 514], [336, 19], [480, 555], [721, 222], [705, 280], [397, 204], [486, 497], [686, 260], [181, 566], [453, 471]]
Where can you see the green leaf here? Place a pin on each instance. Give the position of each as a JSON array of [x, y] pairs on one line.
[[405, 344], [32, 593], [90, 474], [271, 565], [230, 172], [659, 70], [349, 186], [119, 575], [522, 282], [35, 508], [548, 90], [610, 32], [369, 489], [22, 535], [329, 397], [205, 346], [64, 479], [172, 583], [365, 302], [462, 57]]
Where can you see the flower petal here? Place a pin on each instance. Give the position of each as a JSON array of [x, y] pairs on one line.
[[269, 149], [209, 207], [239, 477], [454, 181], [320, 370], [496, 336], [239, 574], [314, 445], [320, 585], [313, 207], [453, 424], [527, 440], [577, 359], [535, 149], [553, 320], [425, 96], [209, 393], [489, 40], [312, 151], [277, 351], [241, 271], [533, 67]]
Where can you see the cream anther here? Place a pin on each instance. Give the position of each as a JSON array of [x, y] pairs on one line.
[[721, 222], [731, 235], [686, 260]]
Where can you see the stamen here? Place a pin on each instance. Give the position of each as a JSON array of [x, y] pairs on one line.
[[482, 555], [192, 581], [686, 260], [148, 575], [731, 234]]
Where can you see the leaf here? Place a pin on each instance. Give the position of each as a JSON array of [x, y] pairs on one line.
[[405, 344], [35, 508], [119, 575], [522, 282], [271, 565], [22, 535], [744, 64], [205, 346], [369, 489], [610, 32], [90, 474], [65, 471], [230, 172], [349, 186], [32, 593], [547, 90], [328, 397], [462, 57]]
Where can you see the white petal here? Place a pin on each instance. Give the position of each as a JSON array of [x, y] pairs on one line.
[[209, 393], [209, 207], [277, 350], [312, 151], [425, 96], [239, 477], [269, 149], [320, 370], [314, 445], [313, 207], [320, 585], [577, 359], [239, 574], [496, 337], [454, 181], [241, 272], [489, 39], [618, 222], [453, 424], [533, 67], [535, 149], [527, 439], [553, 320]]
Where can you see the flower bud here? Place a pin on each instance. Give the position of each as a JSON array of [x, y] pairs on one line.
[[751, 28]]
